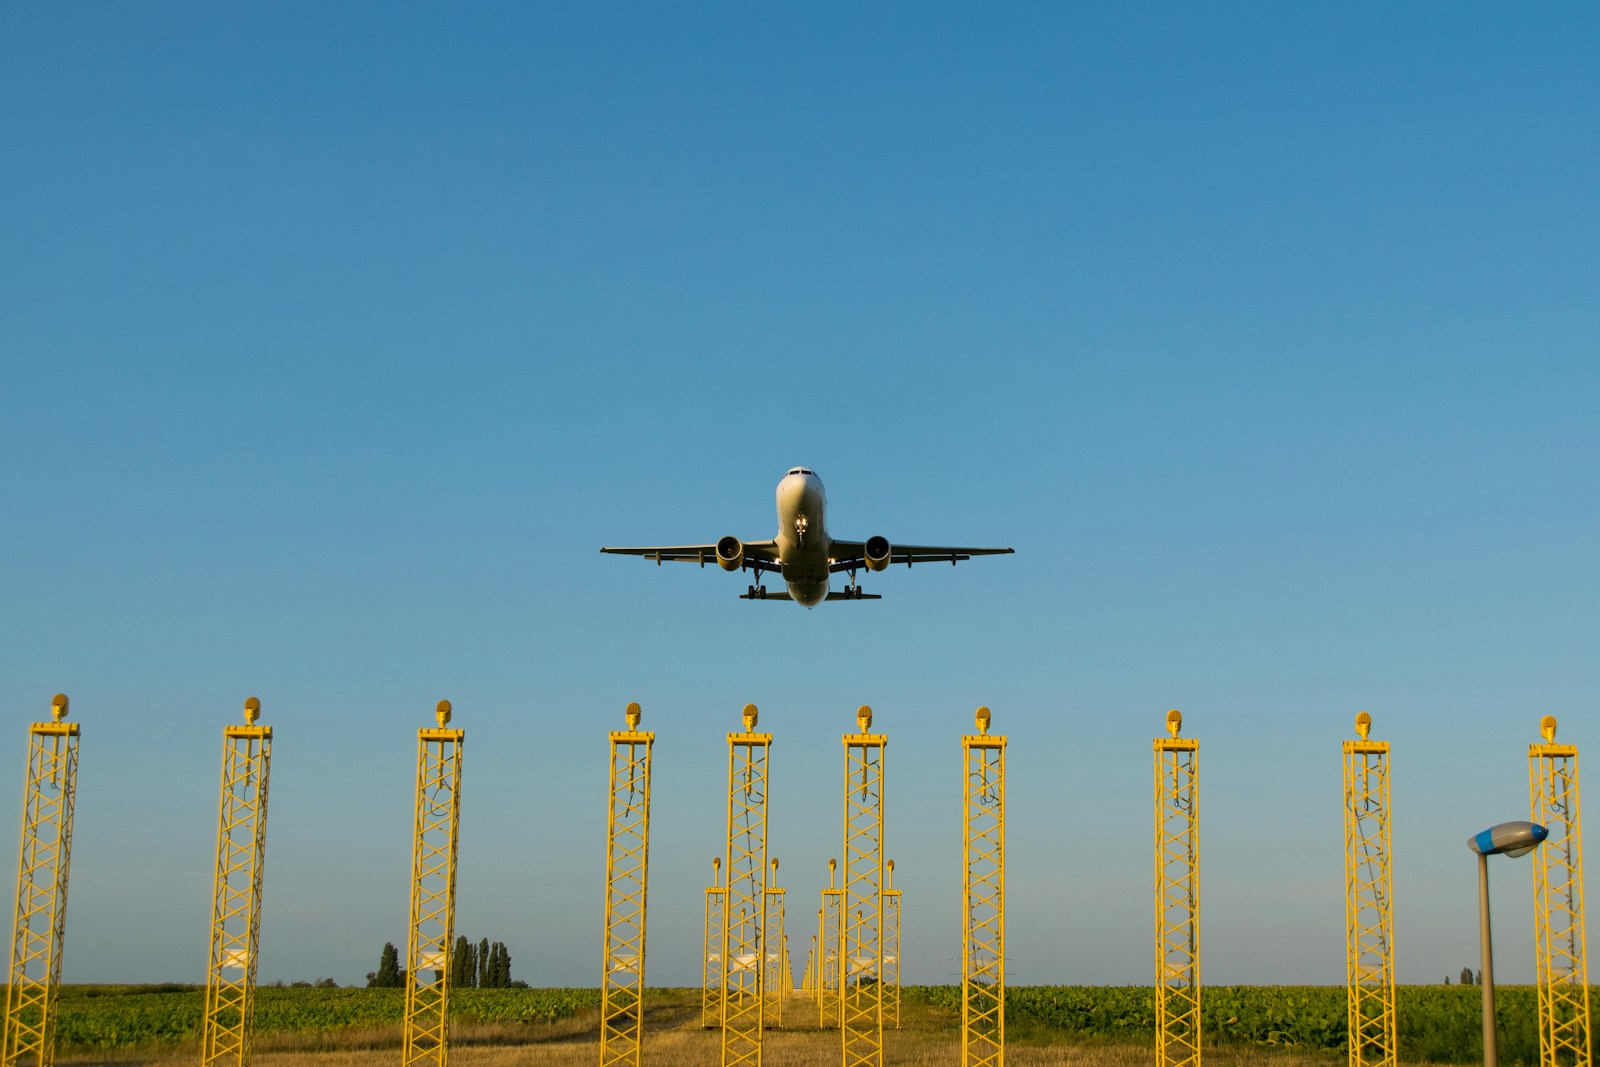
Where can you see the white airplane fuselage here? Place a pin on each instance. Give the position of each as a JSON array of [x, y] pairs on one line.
[[803, 542]]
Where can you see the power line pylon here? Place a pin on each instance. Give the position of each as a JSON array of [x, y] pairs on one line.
[[828, 926], [435, 828], [1177, 862], [983, 914], [236, 893], [1368, 901], [711, 962], [861, 897], [773, 986], [891, 949], [1564, 1034], [742, 905], [627, 892], [41, 916]]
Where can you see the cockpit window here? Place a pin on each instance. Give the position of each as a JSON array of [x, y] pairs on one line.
[[802, 470]]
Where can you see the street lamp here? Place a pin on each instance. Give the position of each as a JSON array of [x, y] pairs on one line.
[[1516, 838]]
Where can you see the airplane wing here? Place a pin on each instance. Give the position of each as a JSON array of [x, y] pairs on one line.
[[759, 555], [848, 555]]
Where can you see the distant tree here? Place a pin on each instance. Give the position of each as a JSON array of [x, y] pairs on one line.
[[1447, 979], [326, 983], [1479, 980], [1466, 976], [483, 963], [462, 968], [504, 980], [300, 983], [387, 976]]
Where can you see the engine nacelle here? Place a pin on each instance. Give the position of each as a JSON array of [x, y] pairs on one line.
[[730, 553], [876, 553]]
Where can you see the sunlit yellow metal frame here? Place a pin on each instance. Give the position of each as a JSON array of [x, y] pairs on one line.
[[773, 987], [742, 905], [828, 937], [983, 912], [435, 831], [1368, 902], [891, 949], [1177, 883], [236, 892], [861, 900], [806, 980], [1559, 931], [41, 915], [627, 895], [711, 958]]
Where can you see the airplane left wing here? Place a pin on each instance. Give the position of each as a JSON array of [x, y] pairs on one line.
[[850, 555]]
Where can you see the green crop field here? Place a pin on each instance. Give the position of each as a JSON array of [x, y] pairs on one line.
[[103, 1017], [1438, 1024]]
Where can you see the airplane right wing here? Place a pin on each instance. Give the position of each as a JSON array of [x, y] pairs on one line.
[[758, 555]]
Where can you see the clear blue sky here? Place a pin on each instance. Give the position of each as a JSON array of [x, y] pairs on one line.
[[334, 340]]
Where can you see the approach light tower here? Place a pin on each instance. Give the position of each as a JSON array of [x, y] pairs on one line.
[[773, 986], [891, 949], [236, 893], [1564, 1023], [1177, 863], [41, 915], [435, 829], [861, 897], [1368, 901], [711, 959], [983, 912], [828, 926], [627, 891], [742, 904]]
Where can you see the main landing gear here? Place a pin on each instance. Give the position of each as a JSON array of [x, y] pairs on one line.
[[853, 591], [757, 592]]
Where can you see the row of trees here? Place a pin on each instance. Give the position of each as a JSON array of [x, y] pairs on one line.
[[484, 965]]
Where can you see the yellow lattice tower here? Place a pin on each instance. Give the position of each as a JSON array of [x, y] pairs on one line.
[[1368, 903], [861, 897], [828, 1003], [627, 891], [891, 949], [983, 913], [236, 894], [1177, 861], [1564, 1036], [711, 959], [434, 832], [742, 905], [811, 959], [772, 983], [41, 918]]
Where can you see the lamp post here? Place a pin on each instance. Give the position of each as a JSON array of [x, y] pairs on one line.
[[1516, 838]]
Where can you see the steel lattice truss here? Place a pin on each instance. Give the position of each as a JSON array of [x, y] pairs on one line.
[[1368, 905], [773, 985], [891, 958], [861, 902], [236, 897], [1177, 862], [983, 916], [829, 1004], [742, 946], [627, 889], [435, 831], [1564, 1034], [35, 976], [711, 967]]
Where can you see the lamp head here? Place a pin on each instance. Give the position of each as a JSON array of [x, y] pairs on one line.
[[1516, 838]]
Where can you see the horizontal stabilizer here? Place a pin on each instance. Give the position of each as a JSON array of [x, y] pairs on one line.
[[831, 596]]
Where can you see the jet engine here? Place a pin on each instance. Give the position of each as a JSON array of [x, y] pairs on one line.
[[730, 553], [876, 553]]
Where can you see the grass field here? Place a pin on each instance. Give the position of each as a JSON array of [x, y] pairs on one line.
[[1288, 1026]]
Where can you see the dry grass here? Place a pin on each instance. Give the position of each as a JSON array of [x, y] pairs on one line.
[[673, 1038]]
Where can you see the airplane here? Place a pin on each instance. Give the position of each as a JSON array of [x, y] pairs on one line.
[[803, 554]]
